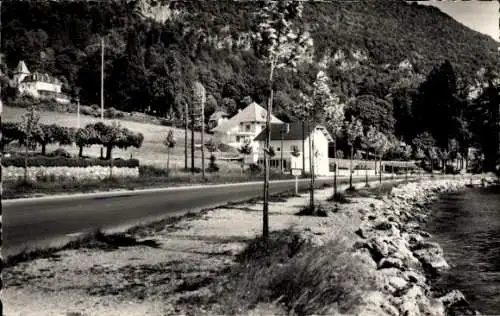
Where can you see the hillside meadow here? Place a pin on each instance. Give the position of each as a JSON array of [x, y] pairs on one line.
[[152, 152]]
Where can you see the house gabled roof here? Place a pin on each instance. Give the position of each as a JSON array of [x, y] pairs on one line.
[[252, 113], [21, 68], [217, 115], [294, 132]]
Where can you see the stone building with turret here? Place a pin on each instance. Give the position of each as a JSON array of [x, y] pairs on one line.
[[38, 85]]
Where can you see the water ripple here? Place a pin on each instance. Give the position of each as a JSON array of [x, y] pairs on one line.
[[467, 226]]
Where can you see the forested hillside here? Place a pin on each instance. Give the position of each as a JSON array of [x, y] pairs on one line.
[[378, 55]]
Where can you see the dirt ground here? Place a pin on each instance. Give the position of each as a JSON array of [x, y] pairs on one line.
[[155, 280]]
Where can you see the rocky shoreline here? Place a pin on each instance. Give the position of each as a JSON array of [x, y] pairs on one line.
[[403, 259], [390, 260]]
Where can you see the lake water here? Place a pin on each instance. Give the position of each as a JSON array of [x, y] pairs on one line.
[[467, 226]]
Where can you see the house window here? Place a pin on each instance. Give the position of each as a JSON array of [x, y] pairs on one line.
[[237, 138], [247, 128], [278, 149]]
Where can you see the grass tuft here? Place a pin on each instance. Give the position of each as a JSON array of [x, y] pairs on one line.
[[339, 197], [289, 271], [316, 210], [94, 240]]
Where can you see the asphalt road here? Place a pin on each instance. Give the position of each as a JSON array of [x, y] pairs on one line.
[[42, 222]]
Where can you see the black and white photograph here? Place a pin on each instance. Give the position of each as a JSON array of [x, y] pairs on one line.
[[250, 157]]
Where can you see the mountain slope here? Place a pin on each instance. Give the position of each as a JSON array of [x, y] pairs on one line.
[[372, 48]]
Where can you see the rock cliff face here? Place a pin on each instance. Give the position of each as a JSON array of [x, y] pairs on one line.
[[403, 258]]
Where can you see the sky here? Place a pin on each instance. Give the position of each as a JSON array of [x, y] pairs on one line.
[[481, 16]]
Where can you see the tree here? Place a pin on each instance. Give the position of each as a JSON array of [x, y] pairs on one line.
[[169, 141], [278, 46], [380, 145], [12, 131], [369, 143], [439, 107], [114, 135], [53, 133], [353, 131], [333, 118], [406, 152], [246, 150], [425, 143], [485, 126], [85, 137], [30, 127], [200, 98], [371, 110]]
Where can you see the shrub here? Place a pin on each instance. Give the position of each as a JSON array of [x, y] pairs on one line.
[[212, 166], [42, 161], [165, 122], [59, 152], [112, 113], [316, 210], [226, 148], [339, 197], [302, 278], [150, 171], [87, 110], [254, 168], [11, 131]]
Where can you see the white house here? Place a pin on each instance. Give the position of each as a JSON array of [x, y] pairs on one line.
[[38, 85], [296, 135], [243, 127], [217, 118]]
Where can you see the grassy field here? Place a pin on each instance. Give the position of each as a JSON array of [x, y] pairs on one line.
[[152, 152]]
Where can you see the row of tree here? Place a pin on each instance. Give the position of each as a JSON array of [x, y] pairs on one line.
[[30, 133]]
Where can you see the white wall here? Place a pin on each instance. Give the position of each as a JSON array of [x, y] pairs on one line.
[[48, 86], [320, 143], [32, 88], [231, 136]]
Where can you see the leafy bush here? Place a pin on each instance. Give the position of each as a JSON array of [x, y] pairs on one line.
[[11, 131], [90, 111], [58, 161], [112, 113], [212, 166], [150, 171], [304, 279], [59, 152], [254, 168]]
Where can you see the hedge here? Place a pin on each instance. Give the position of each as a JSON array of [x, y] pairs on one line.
[[42, 161]]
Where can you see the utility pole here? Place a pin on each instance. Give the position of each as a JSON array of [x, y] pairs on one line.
[[281, 152], [202, 132], [102, 88], [186, 126], [303, 147], [192, 140], [77, 112], [102, 79]]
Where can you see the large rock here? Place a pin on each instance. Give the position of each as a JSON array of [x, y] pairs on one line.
[[378, 248], [431, 256], [453, 298], [391, 262]]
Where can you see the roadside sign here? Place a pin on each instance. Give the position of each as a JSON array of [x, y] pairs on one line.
[[296, 172]]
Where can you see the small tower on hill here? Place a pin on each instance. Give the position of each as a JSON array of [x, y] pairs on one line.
[[21, 72]]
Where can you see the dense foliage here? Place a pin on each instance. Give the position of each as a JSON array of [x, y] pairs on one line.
[[373, 52], [43, 161], [150, 65], [110, 136]]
